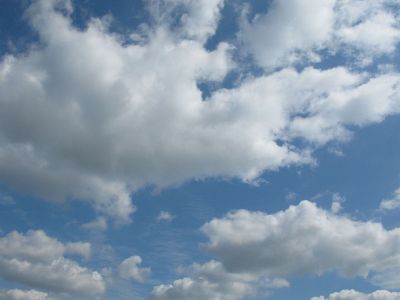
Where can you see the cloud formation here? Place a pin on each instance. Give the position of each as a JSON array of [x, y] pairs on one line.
[[37, 260], [97, 116], [16, 294], [354, 295], [258, 252], [284, 35], [212, 281], [130, 269], [303, 239]]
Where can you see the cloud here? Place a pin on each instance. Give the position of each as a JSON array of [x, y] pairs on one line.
[[285, 35], [198, 18], [96, 117], [337, 201], [303, 239], [16, 294], [354, 295], [37, 260], [98, 224], [129, 269], [212, 281], [165, 216], [391, 204]]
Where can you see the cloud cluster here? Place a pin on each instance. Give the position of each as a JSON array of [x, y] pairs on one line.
[[354, 295], [258, 252], [88, 114], [360, 29], [37, 260]]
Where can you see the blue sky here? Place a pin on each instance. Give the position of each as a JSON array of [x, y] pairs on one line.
[[210, 149]]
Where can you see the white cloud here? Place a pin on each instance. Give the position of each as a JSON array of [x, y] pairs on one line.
[[393, 203], [354, 295], [37, 260], [285, 33], [16, 294], [337, 201], [165, 216], [198, 18], [301, 240], [211, 281], [129, 269], [294, 31], [98, 224], [96, 119]]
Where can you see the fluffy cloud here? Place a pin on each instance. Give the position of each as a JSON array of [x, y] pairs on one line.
[[198, 18], [257, 252], [393, 203], [129, 269], [96, 117], [37, 260], [354, 295], [285, 34], [16, 294], [212, 281], [165, 216], [303, 239]]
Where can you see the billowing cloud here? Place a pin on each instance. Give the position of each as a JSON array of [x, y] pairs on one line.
[[212, 281], [285, 34], [37, 260], [130, 269], [354, 295], [303, 239], [90, 115]]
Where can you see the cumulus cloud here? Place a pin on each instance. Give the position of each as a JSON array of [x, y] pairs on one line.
[[285, 34], [37, 260], [96, 117], [16, 294], [354, 295], [303, 239], [212, 281], [393, 203], [130, 269], [258, 252], [198, 18]]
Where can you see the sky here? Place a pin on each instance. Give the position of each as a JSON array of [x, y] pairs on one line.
[[199, 149]]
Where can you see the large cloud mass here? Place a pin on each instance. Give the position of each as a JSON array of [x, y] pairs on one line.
[[87, 114]]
